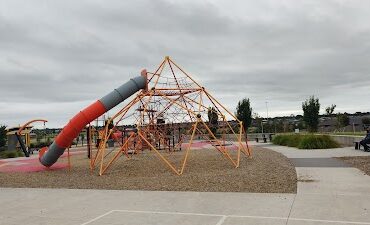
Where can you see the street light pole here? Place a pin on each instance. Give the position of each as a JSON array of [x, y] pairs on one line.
[[262, 126], [267, 112]]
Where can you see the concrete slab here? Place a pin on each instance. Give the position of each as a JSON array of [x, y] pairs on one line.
[[326, 195], [84, 205], [315, 153], [318, 222], [332, 208], [253, 221], [332, 181], [39, 220], [140, 218], [318, 162], [328, 192], [319, 173]]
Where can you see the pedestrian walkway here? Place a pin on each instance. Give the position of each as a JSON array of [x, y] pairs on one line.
[[326, 195], [103, 207], [331, 176], [316, 153]]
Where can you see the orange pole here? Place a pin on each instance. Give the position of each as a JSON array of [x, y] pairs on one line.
[[69, 160], [159, 154], [117, 154], [28, 123], [224, 150], [188, 149]]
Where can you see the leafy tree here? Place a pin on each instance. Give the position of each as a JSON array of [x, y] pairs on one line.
[[366, 120], [38, 137], [2, 135], [244, 112], [279, 126], [77, 140], [82, 138], [330, 109], [343, 120], [213, 119], [311, 109], [257, 122]]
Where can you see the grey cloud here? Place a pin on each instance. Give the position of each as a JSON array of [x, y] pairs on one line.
[[70, 52]]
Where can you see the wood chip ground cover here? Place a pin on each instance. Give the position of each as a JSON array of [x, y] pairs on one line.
[[360, 162], [207, 171]]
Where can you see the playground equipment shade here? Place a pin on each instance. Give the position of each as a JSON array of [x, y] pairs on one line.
[[84, 117]]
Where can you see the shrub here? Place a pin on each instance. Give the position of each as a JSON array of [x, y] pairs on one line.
[[39, 144], [291, 140], [366, 120], [8, 154], [306, 141], [2, 135], [317, 142], [20, 154]]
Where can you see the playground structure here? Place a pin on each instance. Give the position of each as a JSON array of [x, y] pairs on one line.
[[21, 135], [171, 112]]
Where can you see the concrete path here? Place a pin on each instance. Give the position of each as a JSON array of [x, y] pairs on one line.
[[93, 207], [324, 184], [318, 153], [326, 195], [329, 179]]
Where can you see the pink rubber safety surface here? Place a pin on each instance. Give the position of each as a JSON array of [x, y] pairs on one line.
[[29, 165]]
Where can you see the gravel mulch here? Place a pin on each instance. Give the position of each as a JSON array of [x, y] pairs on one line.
[[360, 162], [207, 171]]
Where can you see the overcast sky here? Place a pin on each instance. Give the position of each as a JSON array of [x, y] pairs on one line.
[[56, 57]]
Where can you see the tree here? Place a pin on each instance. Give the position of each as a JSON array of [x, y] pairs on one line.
[[257, 122], [244, 112], [366, 120], [311, 109], [330, 109], [82, 138], [2, 135], [213, 119], [38, 137], [343, 119]]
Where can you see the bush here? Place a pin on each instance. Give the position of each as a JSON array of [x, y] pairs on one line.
[[11, 154], [317, 142], [20, 154], [40, 144], [309, 141], [8, 154], [2, 135], [291, 140]]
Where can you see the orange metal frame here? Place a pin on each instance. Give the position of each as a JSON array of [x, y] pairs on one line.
[[19, 132], [182, 102]]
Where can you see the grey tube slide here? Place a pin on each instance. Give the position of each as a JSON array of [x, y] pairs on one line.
[[48, 156]]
